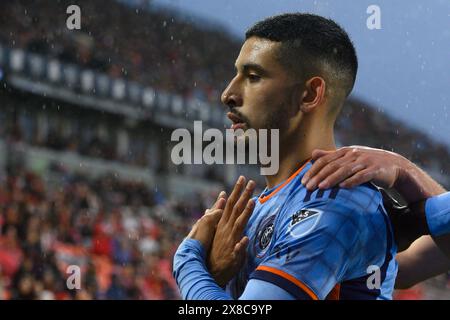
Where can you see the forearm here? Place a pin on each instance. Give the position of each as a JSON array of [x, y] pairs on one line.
[[414, 184], [423, 260], [191, 275], [443, 243], [426, 217], [428, 256]]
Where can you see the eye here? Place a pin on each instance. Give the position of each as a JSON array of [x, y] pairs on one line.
[[253, 77]]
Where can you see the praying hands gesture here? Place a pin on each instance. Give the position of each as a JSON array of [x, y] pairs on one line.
[[221, 229]]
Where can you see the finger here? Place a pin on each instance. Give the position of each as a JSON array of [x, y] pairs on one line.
[[240, 249], [361, 177], [242, 220], [340, 175], [208, 221], [320, 163], [317, 153], [234, 196], [213, 217], [326, 171], [220, 204], [222, 195], [242, 202]]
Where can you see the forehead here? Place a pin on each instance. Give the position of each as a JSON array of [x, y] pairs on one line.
[[258, 51]]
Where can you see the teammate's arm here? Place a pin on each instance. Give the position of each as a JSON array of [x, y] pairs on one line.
[[424, 259], [351, 166], [428, 256]]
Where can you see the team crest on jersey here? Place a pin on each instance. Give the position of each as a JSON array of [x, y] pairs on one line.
[[309, 219], [264, 235]]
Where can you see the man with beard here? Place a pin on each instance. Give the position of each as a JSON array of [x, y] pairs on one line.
[[293, 73]]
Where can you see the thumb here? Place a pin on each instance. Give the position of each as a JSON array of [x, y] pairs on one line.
[[213, 215], [220, 201]]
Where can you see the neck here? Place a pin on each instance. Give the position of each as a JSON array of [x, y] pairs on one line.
[[298, 149]]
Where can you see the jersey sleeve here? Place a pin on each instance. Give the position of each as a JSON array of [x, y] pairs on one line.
[[263, 290], [312, 248], [437, 212]]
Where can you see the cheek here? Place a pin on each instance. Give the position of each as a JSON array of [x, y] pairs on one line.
[[268, 106], [262, 102]]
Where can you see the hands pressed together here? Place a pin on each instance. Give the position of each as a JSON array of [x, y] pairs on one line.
[[221, 231]]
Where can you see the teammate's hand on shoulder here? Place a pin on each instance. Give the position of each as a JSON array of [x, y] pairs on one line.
[[229, 246], [352, 166]]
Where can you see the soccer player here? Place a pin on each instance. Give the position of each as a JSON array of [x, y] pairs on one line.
[[429, 216], [293, 73]]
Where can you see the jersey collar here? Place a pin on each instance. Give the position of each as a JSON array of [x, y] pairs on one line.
[[268, 193]]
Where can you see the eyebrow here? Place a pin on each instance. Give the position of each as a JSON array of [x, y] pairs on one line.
[[246, 67]]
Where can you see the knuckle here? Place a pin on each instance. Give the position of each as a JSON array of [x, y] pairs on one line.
[[345, 149], [333, 166], [203, 220], [211, 217], [237, 205], [356, 152], [320, 162], [207, 218], [364, 157], [367, 175], [346, 170], [376, 168], [355, 168]]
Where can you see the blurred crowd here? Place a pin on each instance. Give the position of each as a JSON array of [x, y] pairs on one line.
[[89, 136], [155, 48], [49, 124], [362, 124], [120, 234]]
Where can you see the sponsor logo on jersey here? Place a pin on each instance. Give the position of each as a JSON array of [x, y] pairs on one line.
[[303, 222], [301, 215]]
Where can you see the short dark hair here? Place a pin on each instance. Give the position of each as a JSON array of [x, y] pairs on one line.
[[311, 44]]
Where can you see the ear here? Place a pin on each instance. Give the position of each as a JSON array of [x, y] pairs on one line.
[[313, 94]]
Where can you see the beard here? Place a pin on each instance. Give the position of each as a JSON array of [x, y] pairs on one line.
[[278, 117]]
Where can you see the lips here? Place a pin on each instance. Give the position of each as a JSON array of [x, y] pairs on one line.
[[238, 123]]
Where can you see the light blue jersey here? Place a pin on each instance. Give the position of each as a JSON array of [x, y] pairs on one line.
[[327, 244]]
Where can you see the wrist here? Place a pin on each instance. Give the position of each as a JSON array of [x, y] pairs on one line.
[[405, 169], [193, 246], [217, 273], [409, 181]]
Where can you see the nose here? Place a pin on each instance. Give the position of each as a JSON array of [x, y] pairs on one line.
[[231, 97]]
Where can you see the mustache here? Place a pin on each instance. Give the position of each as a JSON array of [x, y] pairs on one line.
[[240, 115]]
